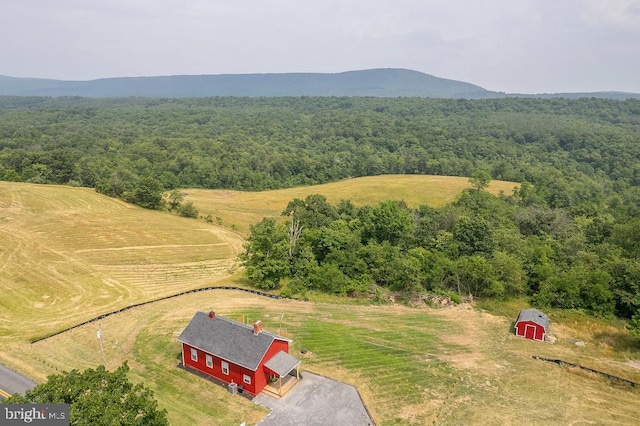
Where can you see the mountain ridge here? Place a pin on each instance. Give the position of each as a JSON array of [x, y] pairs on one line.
[[377, 82]]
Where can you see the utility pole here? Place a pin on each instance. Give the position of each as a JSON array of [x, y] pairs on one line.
[[101, 348]]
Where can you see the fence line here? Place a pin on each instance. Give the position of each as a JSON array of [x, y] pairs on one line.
[[126, 308], [590, 370]]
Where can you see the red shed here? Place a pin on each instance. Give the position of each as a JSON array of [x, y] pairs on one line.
[[532, 324], [237, 353]]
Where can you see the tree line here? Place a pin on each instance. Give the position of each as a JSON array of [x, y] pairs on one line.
[[480, 245]]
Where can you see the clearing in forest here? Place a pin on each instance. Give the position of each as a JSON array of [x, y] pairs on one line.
[[240, 209]]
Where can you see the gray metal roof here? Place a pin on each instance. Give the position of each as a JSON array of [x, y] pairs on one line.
[[535, 316], [282, 363], [227, 339]]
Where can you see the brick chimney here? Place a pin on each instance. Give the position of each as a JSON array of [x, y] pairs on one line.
[[212, 314], [257, 327]]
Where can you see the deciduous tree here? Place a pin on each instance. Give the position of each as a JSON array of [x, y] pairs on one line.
[[480, 179], [148, 193], [266, 255], [97, 397]]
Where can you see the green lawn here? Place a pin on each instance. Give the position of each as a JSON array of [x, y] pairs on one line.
[[411, 365]]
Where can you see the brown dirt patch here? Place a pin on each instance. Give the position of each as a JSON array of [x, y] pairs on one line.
[[472, 336]]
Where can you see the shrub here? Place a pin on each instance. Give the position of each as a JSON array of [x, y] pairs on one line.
[[188, 210]]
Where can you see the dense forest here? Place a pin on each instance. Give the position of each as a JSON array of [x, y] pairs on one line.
[[569, 237], [576, 150], [480, 245]]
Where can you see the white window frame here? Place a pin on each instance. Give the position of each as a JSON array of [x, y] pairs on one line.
[[209, 361], [246, 378], [225, 367], [194, 355]]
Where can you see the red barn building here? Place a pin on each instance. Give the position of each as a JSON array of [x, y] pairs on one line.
[[532, 324], [237, 353]]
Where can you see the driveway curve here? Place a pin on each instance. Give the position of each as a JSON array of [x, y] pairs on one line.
[[315, 400]]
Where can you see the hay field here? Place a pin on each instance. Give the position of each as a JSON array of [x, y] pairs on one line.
[[239, 209], [70, 254]]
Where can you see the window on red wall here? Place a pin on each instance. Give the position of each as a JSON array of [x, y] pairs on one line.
[[246, 379], [225, 367], [194, 355], [209, 361]]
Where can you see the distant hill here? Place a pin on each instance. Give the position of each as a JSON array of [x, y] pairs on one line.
[[375, 82], [385, 82]]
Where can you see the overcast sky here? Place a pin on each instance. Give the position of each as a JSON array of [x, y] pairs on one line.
[[526, 46]]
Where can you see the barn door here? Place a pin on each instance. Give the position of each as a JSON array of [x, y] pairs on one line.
[[530, 331]]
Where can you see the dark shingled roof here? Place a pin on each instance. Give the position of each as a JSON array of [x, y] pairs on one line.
[[227, 339], [282, 363], [535, 316]]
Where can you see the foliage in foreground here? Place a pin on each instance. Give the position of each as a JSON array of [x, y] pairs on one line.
[[97, 397]]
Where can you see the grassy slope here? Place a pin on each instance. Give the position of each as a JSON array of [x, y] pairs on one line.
[[241, 209], [68, 254]]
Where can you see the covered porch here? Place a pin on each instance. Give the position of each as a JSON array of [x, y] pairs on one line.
[[284, 373]]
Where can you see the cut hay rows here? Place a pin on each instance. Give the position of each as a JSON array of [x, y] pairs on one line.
[[69, 254]]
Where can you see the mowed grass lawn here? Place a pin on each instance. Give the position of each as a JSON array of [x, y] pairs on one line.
[[454, 365]]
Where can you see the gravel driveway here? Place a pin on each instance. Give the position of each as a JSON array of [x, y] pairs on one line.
[[315, 400]]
